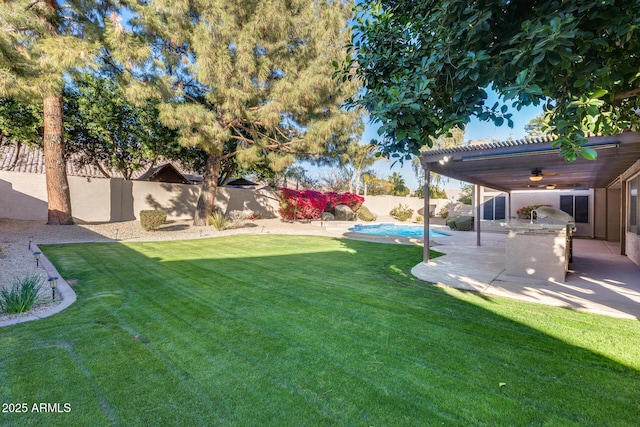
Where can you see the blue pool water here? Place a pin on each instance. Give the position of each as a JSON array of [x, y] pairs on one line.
[[395, 230]]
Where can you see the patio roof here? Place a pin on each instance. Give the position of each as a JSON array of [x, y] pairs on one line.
[[507, 166]]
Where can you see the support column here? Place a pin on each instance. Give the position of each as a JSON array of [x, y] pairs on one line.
[[623, 216], [425, 234], [476, 189]]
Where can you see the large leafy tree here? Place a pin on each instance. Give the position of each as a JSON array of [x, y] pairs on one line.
[[246, 80], [40, 42], [19, 124], [113, 134], [427, 65]]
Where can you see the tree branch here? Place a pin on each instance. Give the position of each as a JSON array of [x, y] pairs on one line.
[[628, 94], [228, 155], [17, 156]]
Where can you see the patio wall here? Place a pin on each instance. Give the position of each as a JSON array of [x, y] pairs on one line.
[[633, 247], [632, 240]]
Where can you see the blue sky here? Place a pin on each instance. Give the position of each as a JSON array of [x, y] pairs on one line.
[[475, 130]]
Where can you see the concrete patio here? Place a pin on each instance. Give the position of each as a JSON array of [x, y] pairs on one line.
[[599, 280]]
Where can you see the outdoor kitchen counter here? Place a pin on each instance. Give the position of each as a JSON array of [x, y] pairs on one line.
[[539, 250]]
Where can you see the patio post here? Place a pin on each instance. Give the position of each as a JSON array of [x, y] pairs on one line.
[[425, 233], [477, 191], [623, 216]]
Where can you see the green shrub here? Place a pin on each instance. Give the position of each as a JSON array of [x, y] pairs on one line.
[[238, 219], [24, 293], [218, 220], [420, 219], [401, 212], [444, 213], [364, 214], [151, 220]]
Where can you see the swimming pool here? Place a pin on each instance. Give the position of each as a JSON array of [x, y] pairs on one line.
[[395, 230]]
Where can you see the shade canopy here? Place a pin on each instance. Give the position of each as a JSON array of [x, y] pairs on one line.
[[510, 165]]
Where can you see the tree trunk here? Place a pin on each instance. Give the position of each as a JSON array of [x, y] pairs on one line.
[[207, 197], [357, 180], [58, 195]]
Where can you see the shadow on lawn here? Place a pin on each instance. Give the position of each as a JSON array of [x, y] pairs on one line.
[[267, 329]]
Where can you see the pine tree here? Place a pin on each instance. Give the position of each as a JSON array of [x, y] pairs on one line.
[[246, 80], [41, 41]]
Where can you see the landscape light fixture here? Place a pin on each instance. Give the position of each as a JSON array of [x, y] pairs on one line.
[[36, 254], [53, 282], [30, 240]]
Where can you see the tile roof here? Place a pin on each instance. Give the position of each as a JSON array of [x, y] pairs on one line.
[[31, 160]]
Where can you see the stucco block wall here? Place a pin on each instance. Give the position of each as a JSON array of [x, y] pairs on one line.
[[90, 199], [177, 200], [263, 202], [23, 196], [382, 205]]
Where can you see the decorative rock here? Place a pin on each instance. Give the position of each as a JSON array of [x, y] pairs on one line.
[[327, 216], [344, 213]]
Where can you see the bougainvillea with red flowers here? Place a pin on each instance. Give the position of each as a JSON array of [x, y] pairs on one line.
[[352, 200], [309, 204], [306, 204]]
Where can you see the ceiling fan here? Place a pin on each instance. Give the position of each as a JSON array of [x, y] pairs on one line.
[[554, 186], [537, 174]]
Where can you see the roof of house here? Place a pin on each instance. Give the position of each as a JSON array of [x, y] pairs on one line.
[[164, 173], [240, 182], [28, 159], [508, 165]]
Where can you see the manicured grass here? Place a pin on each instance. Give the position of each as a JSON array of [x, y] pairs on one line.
[[298, 330]]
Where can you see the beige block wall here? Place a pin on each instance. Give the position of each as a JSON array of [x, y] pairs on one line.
[[177, 200], [91, 199], [23, 196], [382, 205], [264, 202]]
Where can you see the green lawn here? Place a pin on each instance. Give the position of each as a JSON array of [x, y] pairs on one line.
[[298, 330]]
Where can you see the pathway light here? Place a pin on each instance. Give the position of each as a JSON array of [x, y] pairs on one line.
[[53, 282]]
